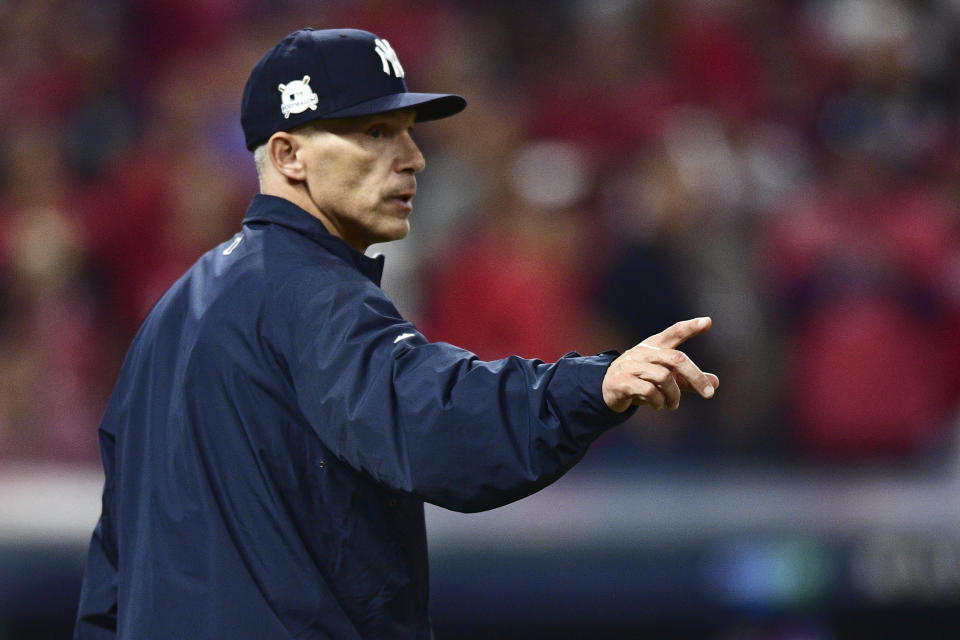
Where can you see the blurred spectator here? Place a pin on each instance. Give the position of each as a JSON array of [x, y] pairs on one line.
[[513, 285], [712, 50], [861, 260], [417, 30], [644, 286], [871, 340], [790, 168], [54, 361], [679, 219], [600, 88], [172, 193]]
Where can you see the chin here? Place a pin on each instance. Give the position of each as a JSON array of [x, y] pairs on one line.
[[398, 233], [389, 236]]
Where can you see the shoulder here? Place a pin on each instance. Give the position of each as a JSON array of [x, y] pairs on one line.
[[322, 296]]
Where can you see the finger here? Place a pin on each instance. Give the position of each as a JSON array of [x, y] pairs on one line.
[[663, 378], [685, 386], [671, 393], [622, 387], [676, 334], [687, 373], [634, 379], [646, 392]]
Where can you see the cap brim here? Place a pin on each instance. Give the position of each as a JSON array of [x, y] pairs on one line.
[[429, 106]]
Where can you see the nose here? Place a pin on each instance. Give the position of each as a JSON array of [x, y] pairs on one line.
[[410, 159]]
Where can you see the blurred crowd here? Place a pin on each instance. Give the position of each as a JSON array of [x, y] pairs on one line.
[[790, 168]]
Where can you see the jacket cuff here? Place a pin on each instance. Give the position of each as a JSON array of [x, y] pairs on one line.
[[590, 373]]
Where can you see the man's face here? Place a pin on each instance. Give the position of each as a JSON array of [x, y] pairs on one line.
[[361, 176]]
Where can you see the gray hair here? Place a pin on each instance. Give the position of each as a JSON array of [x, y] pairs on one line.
[[260, 153], [260, 161]]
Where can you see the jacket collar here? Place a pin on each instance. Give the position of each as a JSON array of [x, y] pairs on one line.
[[280, 211]]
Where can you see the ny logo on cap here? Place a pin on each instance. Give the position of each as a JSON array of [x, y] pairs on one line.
[[388, 57]]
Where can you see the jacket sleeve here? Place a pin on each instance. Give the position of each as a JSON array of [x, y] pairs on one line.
[[97, 607], [432, 419]]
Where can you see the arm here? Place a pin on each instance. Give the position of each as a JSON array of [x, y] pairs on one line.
[[430, 418]]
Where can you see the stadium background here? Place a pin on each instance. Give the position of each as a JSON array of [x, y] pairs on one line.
[[790, 168]]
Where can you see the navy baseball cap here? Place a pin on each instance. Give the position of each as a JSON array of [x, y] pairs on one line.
[[330, 73]]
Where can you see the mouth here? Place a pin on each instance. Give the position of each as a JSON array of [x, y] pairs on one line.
[[403, 199]]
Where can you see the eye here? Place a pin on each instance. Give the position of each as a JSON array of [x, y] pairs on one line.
[[376, 132]]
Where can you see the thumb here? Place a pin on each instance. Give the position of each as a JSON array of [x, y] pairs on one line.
[[676, 334]]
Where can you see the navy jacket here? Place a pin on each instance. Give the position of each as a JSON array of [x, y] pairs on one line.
[[274, 432]]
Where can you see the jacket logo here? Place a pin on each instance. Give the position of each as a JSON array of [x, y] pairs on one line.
[[297, 97], [388, 57], [233, 245], [403, 336]]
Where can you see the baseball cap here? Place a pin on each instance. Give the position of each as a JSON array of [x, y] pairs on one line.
[[330, 73]]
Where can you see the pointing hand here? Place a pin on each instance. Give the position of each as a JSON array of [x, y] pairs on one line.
[[654, 372]]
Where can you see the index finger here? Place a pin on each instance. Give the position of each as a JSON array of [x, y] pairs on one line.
[[676, 334]]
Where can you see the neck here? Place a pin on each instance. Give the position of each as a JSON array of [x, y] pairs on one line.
[[300, 196]]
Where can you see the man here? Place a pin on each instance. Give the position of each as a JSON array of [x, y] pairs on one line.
[[277, 425]]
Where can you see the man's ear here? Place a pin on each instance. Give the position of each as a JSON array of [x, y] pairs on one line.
[[284, 152]]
